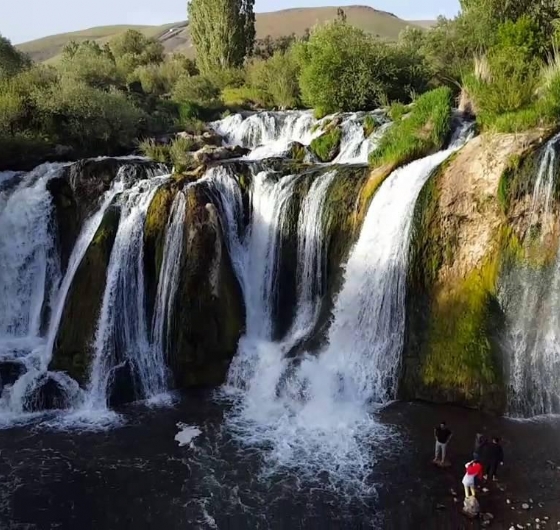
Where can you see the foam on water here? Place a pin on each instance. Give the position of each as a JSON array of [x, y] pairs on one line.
[[317, 412]]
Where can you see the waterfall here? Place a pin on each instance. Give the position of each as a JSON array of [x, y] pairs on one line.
[[122, 334], [314, 412], [355, 148], [311, 258], [270, 134], [276, 128], [531, 300], [167, 289], [29, 265]]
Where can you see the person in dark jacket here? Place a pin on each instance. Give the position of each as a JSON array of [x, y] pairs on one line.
[[494, 457]]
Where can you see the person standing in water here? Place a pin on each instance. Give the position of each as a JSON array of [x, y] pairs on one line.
[[442, 435], [474, 470], [494, 458]]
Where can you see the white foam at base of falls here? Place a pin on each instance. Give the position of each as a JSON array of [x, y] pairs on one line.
[[316, 413]]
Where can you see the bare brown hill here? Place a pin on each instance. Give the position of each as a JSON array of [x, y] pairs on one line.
[[276, 24]]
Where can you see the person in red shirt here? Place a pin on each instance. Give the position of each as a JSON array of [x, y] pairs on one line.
[[473, 469]]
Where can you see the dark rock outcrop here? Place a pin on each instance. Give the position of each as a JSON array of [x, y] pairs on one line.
[[209, 313], [73, 345]]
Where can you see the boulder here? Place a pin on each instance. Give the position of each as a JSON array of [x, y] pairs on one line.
[[73, 345], [209, 314], [210, 154]]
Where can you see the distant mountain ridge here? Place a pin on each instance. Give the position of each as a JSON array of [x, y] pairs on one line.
[[175, 37]]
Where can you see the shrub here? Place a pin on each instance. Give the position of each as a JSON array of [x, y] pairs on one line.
[[246, 98], [89, 118], [423, 131], [196, 89], [345, 69], [12, 61], [90, 63], [156, 151], [326, 146], [370, 125], [180, 156], [277, 77]]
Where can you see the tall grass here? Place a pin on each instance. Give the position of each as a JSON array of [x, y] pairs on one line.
[[418, 134]]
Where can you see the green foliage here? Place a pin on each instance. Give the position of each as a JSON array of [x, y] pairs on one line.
[[196, 89], [483, 19], [267, 47], [90, 63], [12, 61], [246, 98], [326, 146], [177, 153], [223, 32], [343, 69], [397, 111], [132, 49], [180, 156], [88, 117], [422, 132], [370, 125], [278, 78], [156, 151]]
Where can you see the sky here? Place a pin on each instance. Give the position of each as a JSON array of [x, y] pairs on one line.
[[26, 20]]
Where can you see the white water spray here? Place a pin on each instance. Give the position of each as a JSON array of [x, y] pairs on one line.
[[316, 412]]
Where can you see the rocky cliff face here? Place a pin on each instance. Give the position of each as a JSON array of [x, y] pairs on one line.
[[462, 241]]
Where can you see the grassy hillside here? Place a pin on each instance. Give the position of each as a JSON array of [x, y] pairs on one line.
[[176, 36]]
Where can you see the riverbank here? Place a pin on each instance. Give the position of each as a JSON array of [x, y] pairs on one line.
[[137, 476]]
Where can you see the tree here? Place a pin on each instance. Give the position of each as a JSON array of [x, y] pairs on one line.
[[12, 60], [91, 63], [483, 17], [223, 32], [345, 69]]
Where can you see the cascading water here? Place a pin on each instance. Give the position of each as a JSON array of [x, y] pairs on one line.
[[29, 267], [270, 134], [355, 148], [277, 129], [531, 298], [29, 276], [167, 288], [315, 412], [311, 259], [121, 339]]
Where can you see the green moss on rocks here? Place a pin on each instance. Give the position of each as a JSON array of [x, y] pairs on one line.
[[73, 346], [209, 314], [327, 146]]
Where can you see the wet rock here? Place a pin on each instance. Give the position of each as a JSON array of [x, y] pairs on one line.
[[66, 215], [210, 154], [440, 506], [525, 506], [73, 346], [198, 141], [48, 394], [10, 372], [121, 386]]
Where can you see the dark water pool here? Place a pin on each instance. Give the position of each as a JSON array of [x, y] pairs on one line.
[[136, 476]]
